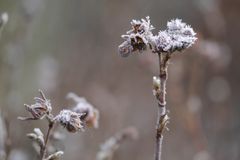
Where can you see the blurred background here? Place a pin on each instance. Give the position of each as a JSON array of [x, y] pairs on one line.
[[71, 46]]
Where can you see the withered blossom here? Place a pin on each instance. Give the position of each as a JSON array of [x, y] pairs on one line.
[[137, 38], [39, 109], [82, 106], [70, 120]]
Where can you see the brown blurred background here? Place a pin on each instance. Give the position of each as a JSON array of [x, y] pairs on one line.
[[61, 46]]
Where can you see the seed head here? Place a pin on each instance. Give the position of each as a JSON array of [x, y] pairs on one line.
[[70, 120]]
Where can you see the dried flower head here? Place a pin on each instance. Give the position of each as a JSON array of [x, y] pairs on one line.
[[70, 120], [39, 109], [177, 37], [137, 38], [82, 106]]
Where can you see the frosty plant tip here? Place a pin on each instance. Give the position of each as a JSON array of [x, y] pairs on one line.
[[82, 115], [178, 36]]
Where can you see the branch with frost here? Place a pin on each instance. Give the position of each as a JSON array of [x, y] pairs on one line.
[[73, 121], [111, 145], [177, 37]]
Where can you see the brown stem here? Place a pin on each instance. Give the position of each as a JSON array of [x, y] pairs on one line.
[[44, 148], [162, 118]]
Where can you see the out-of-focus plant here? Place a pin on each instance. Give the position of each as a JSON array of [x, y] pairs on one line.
[[3, 21], [73, 121], [5, 137], [111, 145], [177, 37]]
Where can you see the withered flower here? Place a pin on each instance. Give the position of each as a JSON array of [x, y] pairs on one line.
[[70, 120], [82, 106], [136, 39], [40, 109]]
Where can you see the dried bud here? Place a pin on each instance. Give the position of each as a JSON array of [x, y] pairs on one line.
[[70, 120], [40, 109], [156, 85], [82, 106], [37, 137]]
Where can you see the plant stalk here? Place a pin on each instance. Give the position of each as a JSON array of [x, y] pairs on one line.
[[44, 148], [162, 118]]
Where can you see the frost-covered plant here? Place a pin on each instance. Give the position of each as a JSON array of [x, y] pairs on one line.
[[69, 119], [177, 37]]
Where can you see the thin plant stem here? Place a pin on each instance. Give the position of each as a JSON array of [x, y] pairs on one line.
[[44, 149], [162, 118]]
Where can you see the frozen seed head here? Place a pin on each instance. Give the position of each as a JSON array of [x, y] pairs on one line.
[[137, 38], [177, 37], [70, 120]]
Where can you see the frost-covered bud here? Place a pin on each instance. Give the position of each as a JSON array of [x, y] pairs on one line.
[[70, 120], [82, 106], [156, 82], [156, 86], [41, 107]]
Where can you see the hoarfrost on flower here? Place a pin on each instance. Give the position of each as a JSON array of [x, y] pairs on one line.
[[137, 38], [70, 120], [182, 35]]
